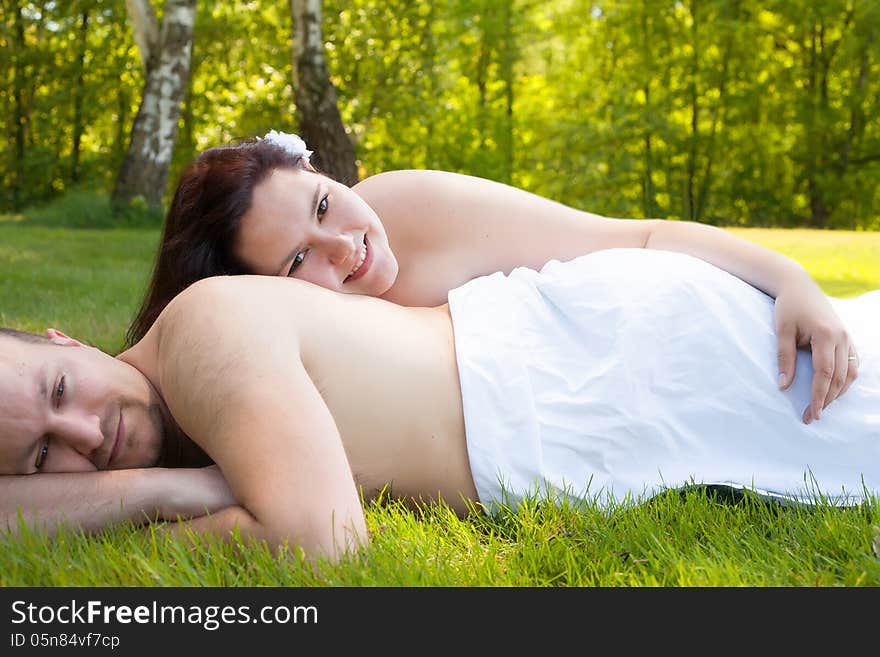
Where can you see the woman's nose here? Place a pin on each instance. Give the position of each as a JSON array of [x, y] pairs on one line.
[[340, 247]]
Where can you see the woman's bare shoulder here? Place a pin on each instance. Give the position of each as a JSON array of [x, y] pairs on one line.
[[398, 176], [420, 186], [447, 228]]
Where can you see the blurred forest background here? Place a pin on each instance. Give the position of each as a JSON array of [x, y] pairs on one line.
[[731, 112]]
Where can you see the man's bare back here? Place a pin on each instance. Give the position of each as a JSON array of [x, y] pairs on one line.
[[387, 374]]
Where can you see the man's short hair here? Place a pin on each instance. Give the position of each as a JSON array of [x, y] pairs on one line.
[[25, 336]]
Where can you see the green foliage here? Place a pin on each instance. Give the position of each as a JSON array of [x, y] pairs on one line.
[[733, 112], [88, 209], [63, 83]]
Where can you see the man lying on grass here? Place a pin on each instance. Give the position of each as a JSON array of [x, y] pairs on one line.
[[615, 375]]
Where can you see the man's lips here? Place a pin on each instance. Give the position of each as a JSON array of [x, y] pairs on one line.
[[117, 442], [368, 260]]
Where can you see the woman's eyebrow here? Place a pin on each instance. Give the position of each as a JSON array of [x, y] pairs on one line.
[[315, 199]]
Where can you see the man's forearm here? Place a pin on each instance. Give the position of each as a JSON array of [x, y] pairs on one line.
[[228, 522], [759, 266], [86, 500]]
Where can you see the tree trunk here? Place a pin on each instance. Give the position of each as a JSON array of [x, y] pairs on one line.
[[144, 170], [648, 191], [430, 53], [719, 114], [78, 93], [487, 30], [320, 123], [815, 139], [508, 56], [18, 108], [145, 27], [691, 209]]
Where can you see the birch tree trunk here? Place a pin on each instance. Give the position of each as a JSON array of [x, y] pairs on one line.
[[320, 123], [165, 55]]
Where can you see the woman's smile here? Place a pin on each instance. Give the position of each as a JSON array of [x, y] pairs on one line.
[[365, 259]]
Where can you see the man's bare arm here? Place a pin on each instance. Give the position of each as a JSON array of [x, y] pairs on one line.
[[95, 500], [245, 397]]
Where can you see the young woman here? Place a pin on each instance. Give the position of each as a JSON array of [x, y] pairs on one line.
[[410, 237]]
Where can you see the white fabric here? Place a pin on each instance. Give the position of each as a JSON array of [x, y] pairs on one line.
[[628, 371]]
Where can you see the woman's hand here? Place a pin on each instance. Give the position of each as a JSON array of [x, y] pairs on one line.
[[194, 492], [805, 318]]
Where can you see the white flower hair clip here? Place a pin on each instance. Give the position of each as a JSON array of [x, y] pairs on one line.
[[293, 144]]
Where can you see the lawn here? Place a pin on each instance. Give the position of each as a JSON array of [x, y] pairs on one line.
[[844, 263], [84, 282], [89, 282]]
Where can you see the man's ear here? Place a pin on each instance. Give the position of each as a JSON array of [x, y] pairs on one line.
[[57, 337], [308, 165]]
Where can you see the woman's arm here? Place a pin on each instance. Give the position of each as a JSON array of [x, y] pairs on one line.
[[448, 228], [92, 501], [804, 316]]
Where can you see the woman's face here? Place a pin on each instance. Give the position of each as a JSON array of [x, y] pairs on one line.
[[305, 225]]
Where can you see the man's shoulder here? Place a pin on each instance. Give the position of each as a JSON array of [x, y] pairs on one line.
[[223, 308], [229, 288], [196, 305], [219, 325], [220, 293]]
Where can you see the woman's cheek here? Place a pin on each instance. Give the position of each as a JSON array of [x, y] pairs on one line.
[[322, 275]]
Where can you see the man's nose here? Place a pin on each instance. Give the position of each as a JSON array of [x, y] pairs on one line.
[[81, 431], [339, 247]]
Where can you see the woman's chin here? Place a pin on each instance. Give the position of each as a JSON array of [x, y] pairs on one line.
[[378, 283], [377, 288]]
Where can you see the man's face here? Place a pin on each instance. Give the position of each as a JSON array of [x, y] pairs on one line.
[[66, 407]]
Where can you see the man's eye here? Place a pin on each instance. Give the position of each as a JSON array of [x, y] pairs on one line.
[[323, 206], [59, 390], [41, 456], [297, 261]]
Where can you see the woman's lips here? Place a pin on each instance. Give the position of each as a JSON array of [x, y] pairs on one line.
[[368, 260]]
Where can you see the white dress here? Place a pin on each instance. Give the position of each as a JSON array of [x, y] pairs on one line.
[[625, 372]]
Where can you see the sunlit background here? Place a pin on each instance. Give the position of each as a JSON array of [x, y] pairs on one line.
[[734, 112]]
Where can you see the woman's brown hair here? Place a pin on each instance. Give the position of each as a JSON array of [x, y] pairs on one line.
[[213, 194]]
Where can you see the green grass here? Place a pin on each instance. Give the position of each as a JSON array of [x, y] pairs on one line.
[[844, 263], [689, 539], [89, 282]]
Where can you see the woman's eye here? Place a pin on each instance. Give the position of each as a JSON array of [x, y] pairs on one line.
[[41, 457], [297, 261], [59, 390], [322, 206]]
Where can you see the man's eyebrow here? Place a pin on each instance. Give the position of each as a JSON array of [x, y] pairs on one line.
[[42, 396], [42, 388]]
